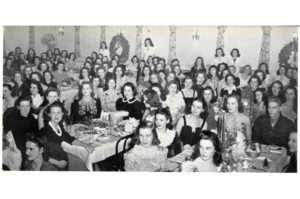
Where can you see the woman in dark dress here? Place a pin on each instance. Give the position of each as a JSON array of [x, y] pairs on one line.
[[292, 166], [86, 106], [48, 79], [129, 102], [191, 125], [20, 89], [188, 93]]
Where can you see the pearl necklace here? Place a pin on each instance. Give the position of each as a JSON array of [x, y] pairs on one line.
[[60, 132]]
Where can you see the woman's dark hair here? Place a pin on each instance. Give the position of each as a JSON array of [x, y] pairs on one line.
[[156, 57], [39, 67], [39, 87], [219, 66], [97, 77], [265, 96], [63, 52], [110, 64], [229, 75], [101, 68], [202, 63], [188, 78], [145, 125], [237, 50], [149, 57], [221, 76], [173, 82], [174, 60], [87, 62], [8, 86], [143, 69], [8, 59], [115, 69], [41, 142], [260, 71], [49, 50], [205, 77], [139, 68], [267, 67], [131, 85], [162, 93], [105, 58], [296, 98], [84, 68], [282, 66], [150, 41], [55, 104], [155, 67], [152, 98], [163, 60], [281, 92], [136, 58], [208, 135], [80, 95], [31, 49], [177, 65], [70, 56], [157, 76], [223, 54], [118, 58], [47, 71], [165, 112], [49, 90], [38, 74], [255, 77], [209, 75], [239, 101], [106, 83], [214, 97], [105, 45], [202, 115], [164, 72], [88, 58], [56, 49], [94, 52]]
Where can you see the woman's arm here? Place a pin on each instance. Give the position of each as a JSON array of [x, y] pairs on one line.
[[61, 164], [179, 126], [219, 88], [146, 114], [89, 149], [130, 162], [248, 128]]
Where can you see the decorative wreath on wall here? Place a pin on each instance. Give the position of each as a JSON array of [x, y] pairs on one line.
[[288, 55], [119, 46]]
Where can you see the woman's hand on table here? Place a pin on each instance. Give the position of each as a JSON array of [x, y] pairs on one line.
[[187, 146], [61, 164]]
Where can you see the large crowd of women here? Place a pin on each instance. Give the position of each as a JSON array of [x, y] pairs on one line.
[[176, 109]]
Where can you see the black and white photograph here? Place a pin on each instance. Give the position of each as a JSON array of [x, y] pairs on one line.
[[150, 98]]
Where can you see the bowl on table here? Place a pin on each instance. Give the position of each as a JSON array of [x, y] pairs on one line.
[[253, 150]]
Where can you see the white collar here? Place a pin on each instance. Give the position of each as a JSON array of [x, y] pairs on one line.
[[59, 134], [132, 100], [167, 138], [233, 88]]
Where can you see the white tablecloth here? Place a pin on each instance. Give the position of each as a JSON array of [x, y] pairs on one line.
[[69, 94]]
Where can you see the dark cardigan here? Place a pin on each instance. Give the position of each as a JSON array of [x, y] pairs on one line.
[[134, 107], [75, 111]]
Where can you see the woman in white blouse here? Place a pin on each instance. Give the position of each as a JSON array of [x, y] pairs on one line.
[[281, 76], [235, 60], [104, 50], [219, 57], [37, 92], [149, 49], [245, 75]]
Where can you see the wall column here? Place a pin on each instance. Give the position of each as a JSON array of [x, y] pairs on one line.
[[265, 45], [102, 36], [77, 41], [4, 46], [139, 41], [172, 44], [220, 38], [31, 37]]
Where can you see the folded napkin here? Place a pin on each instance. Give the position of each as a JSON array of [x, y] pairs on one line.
[[263, 158], [275, 151]]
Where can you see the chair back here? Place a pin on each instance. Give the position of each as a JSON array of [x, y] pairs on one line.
[[120, 155]]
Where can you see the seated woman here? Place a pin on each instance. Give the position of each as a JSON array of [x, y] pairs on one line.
[[172, 77], [133, 65], [289, 108], [37, 154], [198, 67], [119, 76], [113, 64], [219, 57], [48, 79], [188, 93], [86, 106], [110, 96], [8, 69], [244, 75], [190, 126], [213, 78], [262, 76], [8, 101], [209, 97], [20, 89], [158, 67], [265, 68], [234, 122], [166, 135], [101, 72], [26, 73], [222, 83], [277, 90], [159, 90], [97, 88], [84, 75], [145, 77], [140, 67], [281, 76], [291, 167], [42, 67], [154, 78], [11, 155], [59, 73], [146, 154], [175, 101], [207, 154], [71, 63], [201, 82], [37, 93], [230, 88], [150, 63], [163, 78], [259, 104], [294, 78], [129, 103], [247, 93], [152, 103], [178, 73], [38, 77], [94, 69]]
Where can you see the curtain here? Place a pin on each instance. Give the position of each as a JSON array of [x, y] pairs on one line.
[[265, 45], [31, 37], [139, 41], [102, 36], [77, 41], [220, 38], [172, 44]]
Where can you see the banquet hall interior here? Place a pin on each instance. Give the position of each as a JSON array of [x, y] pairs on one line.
[[150, 98]]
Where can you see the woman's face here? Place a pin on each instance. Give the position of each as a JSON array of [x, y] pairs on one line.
[[247, 69], [86, 90], [253, 83], [260, 75], [6, 92], [35, 77], [33, 151], [105, 66], [154, 78], [213, 71], [146, 71], [96, 82], [290, 94], [72, 56], [155, 61], [18, 78], [146, 137], [94, 55], [105, 59], [258, 96], [85, 73], [289, 73], [27, 72], [116, 58], [44, 55], [148, 43], [101, 73], [128, 93], [159, 67], [174, 63], [197, 108], [293, 142], [103, 45], [31, 52], [161, 62], [34, 89], [232, 70], [134, 60], [36, 61], [24, 107], [44, 67], [162, 76], [156, 89], [282, 71], [188, 83], [114, 63], [18, 50], [56, 114], [222, 67], [47, 76], [207, 150], [232, 105], [172, 88], [230, 81], [111, 84], [200, 78], [225, 73], [49, 53], [8, 63], [119, 72], [64, 54], [275, 89], [219, 53], [22, 56], [60, 67], [52, 97], [199, 62], [207, 95], [142, 64], [56, 51], [49, 64], [88, 65], [161, 121], [234, 53], [177, 70], [150, 60], [295, 74]]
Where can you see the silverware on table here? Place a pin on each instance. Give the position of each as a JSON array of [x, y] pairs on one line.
[[255, 168]]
